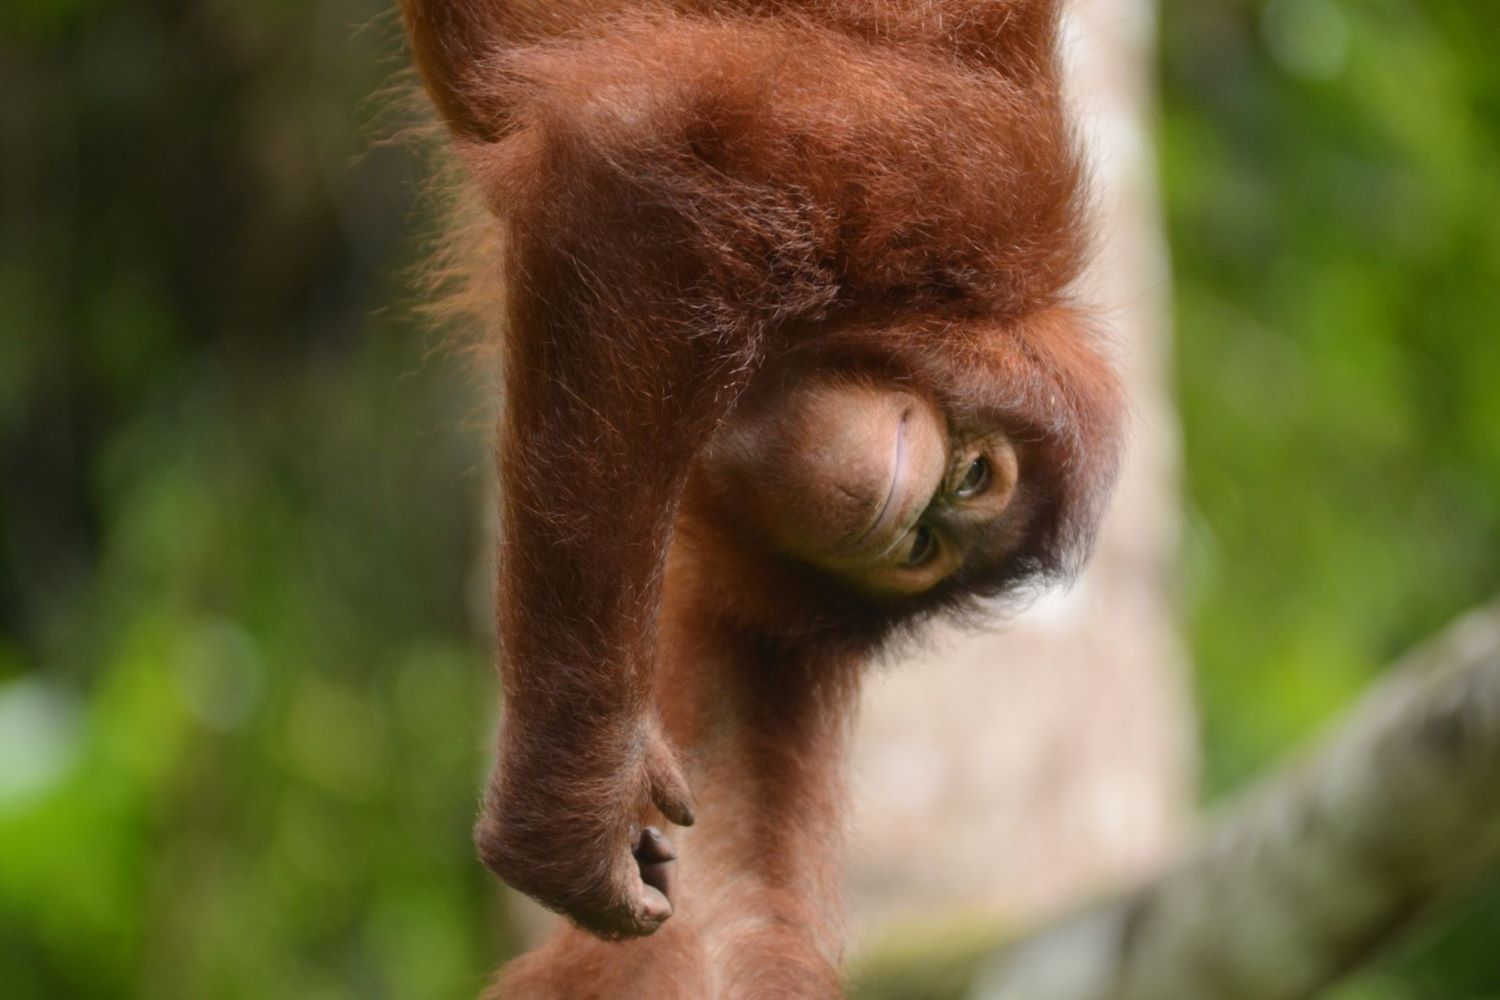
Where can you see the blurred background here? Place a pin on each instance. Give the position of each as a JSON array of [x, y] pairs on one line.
[[245, 687]]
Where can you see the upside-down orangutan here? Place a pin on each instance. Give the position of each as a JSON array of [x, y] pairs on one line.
[[790, 365]]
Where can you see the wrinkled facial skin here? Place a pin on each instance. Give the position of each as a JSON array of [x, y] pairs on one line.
[[871, 483]]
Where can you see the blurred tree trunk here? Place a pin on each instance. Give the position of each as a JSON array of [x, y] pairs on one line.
[[1006, 773], [1318, 868]]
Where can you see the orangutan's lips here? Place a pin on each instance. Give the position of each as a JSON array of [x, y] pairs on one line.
[[887, 507]]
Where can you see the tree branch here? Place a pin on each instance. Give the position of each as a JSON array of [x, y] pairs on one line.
[[1317, 867]]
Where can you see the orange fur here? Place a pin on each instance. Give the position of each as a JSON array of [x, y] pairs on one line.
[[689, 195]]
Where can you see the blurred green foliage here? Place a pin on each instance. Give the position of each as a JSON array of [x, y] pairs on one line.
[[243, 683], [243, 702], [1332, 175]]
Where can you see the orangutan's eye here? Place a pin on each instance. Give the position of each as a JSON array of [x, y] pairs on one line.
[[924, 547], [976, 479]]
